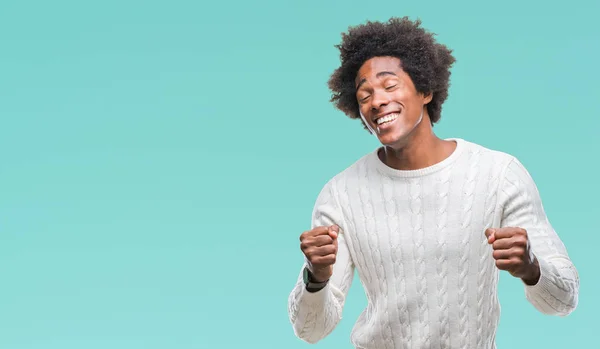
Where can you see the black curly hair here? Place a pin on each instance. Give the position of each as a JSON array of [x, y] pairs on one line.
[[427, 62]]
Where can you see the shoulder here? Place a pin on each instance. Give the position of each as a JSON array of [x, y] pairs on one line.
[[361, 167], [504, 166], [350, 175], [496, 159]]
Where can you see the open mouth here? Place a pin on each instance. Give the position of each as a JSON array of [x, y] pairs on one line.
[[386, 119]]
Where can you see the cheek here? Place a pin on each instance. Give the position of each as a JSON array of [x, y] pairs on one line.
[[412, 102]]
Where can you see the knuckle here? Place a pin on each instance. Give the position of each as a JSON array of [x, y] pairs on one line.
[[519, 252], [329, 259], [503, 265], [305, 235], [313, 232], [309, 253]]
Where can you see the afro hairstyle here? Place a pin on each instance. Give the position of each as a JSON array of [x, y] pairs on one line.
[[425, 61]]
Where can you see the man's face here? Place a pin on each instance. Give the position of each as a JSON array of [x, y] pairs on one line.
[[388, 100]]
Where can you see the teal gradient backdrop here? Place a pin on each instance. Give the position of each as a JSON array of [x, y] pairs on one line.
[[160, 159]]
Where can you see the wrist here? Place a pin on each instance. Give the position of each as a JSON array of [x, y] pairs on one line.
[[314, 283], [318, 278], [533, 276], [318, 274]]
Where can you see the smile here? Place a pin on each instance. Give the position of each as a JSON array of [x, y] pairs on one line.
[[388, 118]]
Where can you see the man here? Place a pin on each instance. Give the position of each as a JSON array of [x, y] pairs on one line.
[[426, 222]]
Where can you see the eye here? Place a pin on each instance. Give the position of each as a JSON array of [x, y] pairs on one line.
[[390, 87], [364, 99]]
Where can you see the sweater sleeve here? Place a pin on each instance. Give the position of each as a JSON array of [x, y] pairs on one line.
[[315, 315], [557, 291]]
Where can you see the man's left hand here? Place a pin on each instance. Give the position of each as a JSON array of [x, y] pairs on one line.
[[512, 252]]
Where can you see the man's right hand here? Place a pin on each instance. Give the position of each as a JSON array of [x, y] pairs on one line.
[[320, 246]]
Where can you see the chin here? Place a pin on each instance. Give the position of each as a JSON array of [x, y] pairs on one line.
[[393, 138]]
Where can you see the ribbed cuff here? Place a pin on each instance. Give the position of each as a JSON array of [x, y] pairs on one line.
[[543, 282], [541, 292], [317, 298]]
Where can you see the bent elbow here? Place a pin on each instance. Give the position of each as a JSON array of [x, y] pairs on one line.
[[557, 308], [569, 308], [306, 336]]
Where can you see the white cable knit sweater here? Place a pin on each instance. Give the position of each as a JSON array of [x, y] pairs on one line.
[[417, 240]]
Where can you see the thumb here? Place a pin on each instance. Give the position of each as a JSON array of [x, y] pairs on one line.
[[490, 234], [334, 231]]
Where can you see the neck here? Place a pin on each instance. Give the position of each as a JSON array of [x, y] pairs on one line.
[[422, 148]]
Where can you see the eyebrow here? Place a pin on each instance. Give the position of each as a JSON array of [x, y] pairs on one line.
[[381, 73]]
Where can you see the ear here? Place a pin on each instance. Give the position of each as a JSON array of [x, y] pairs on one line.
[[427, 98]]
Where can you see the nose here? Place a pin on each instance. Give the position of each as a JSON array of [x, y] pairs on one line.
[[379, 100]]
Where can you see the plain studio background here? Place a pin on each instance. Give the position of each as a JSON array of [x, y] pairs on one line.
[[160, 159]]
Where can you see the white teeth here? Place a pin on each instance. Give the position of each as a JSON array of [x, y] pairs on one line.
[[387, 118]]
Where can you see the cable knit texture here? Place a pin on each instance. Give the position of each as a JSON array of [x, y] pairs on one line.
[[416, 240]]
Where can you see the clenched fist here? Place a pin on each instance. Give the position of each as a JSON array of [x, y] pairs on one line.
[[512, 252], [320, 246]]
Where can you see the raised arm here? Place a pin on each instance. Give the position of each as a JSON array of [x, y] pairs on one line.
[[553, 286], [314, 313]]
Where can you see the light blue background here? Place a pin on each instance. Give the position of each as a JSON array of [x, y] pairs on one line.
[[160, 159]]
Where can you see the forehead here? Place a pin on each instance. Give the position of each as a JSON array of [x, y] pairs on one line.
[[376, 65]]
